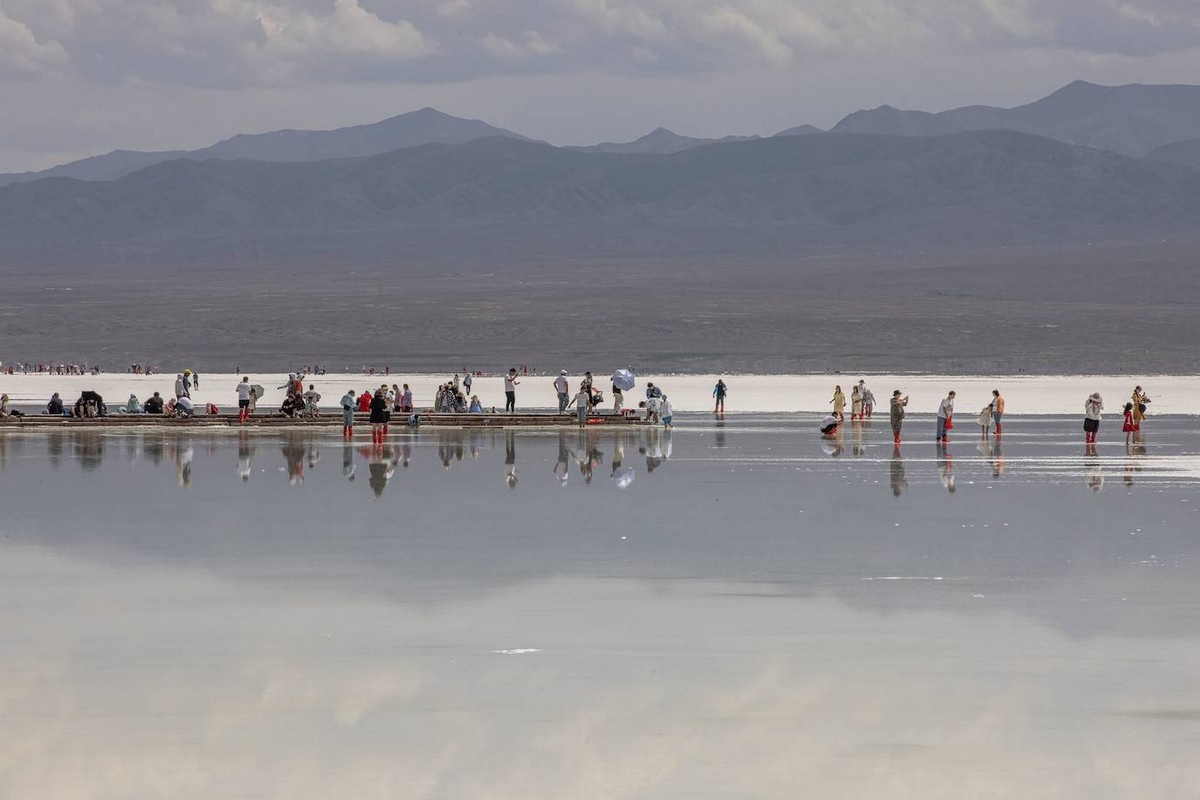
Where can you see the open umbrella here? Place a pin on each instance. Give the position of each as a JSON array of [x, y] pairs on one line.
[[624, 379], [623, 477], [258, 391]]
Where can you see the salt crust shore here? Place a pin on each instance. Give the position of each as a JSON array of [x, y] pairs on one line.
[[1024, 394]]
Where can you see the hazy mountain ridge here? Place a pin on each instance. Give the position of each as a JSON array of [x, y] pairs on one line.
[[971, 189], [426, 126], [661, 141], [1185, 153], [1131, 120]]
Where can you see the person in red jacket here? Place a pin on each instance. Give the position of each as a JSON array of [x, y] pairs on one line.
[[364, 401]]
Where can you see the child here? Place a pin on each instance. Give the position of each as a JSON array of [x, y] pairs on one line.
[[985, 420], [1130, 427], [349, 402], [665, 410]]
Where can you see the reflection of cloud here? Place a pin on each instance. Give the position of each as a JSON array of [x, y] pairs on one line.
[[181, 686]]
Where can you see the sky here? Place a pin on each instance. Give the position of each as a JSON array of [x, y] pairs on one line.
[[81, 77]]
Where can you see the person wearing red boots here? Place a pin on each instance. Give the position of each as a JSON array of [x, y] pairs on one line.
[[243, 392], [1091, 417], [349, 402], [379, 416], [897, 413]]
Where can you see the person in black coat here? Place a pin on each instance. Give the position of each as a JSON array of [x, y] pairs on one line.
[[379, 415]]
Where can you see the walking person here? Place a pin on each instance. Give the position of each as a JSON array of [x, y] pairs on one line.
[[868, 400], [665, 410], [1140, 400], [839, 403], [349, 403], [897, 414], [563, 390], [1092, 409], [243, 394], [945, 417], [856, 402], [1129, 427], [719, 392], [467, 383], [997, 410], [510, 391], [583, 401]]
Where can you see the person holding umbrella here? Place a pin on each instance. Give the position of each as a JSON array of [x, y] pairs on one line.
[[623, 380]]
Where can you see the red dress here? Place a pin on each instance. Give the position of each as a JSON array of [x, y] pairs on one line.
[[1129, 427]]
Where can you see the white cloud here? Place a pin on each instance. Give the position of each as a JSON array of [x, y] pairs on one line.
[[532, 44], [23, 53]]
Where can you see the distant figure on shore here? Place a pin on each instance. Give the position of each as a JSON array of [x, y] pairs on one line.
[[195, 379], [719, 392], [349, 402], [839, 403], [998, 410], [1140, 401], [563, 389], [1129, 427], [868, 400], [243, 395], [510, 391], [896, 477], [897, 414], [945, 417], [1092, 408]]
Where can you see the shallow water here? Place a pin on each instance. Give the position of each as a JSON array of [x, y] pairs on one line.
[[730, 609]]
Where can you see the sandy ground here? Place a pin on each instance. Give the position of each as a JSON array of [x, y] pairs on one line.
[[1024, 394]]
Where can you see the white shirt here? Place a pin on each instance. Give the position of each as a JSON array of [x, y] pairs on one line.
[[560, 384], [946, 409], [243, 390], [665, 410], [508, 383]]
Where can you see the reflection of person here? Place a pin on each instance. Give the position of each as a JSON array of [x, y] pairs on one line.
[[945, 463], [245, 452], [382, 467], [896, 473], [348, 467], [562, 467]]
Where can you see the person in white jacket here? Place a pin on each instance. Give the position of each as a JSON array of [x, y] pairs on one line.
[[1092, 408]]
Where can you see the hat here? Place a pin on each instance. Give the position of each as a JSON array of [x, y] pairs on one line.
[[562, 372], [896, 393]]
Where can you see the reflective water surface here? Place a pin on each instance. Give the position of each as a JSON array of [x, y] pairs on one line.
[[736, 608]]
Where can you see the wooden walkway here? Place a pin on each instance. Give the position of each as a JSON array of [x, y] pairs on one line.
[[332, 420]]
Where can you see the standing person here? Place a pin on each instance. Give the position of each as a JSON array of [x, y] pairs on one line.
[[406, 401], [364, 401], [196, 379], [349, 403], [589, 383], [395, 397], [379, 416], [510, 391], [312, 399], [665, 410], [1129, 428], [1092, 409], [652, 391], [563, 390], [243, 394], [618, 399], [839, 403], [466, 383], [1139, 406], [945, 417], [181, 387], [985, 420], [897, 413], [583, 400], [997, 410], [719, 392], [868, 400], [856, 402]]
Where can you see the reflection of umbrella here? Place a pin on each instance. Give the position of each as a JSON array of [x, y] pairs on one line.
[[623, 477], [258, 391], [623, 379], [829, 448]]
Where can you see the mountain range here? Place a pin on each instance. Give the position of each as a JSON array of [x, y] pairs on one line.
[[426, 185]]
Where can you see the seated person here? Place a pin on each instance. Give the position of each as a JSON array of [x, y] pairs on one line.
[[460, 404], [476, 406], [55, 406], [154, 405], [132, 406], [184, 407]]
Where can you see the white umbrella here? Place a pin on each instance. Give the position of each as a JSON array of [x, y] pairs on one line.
[[624, 379]]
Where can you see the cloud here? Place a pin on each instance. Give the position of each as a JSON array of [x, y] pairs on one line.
[[531, 44], [22, 53]]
